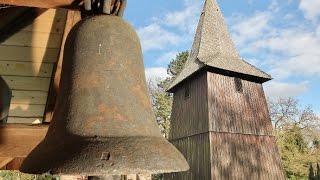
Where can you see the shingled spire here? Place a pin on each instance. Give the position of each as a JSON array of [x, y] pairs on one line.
[[213, 47]]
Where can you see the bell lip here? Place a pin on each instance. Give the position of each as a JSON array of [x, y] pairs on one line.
[[152, 155]]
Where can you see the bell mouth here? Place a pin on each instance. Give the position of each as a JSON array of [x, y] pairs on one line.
[[104, 156]]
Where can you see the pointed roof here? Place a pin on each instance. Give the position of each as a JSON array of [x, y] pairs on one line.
[[213, 47]]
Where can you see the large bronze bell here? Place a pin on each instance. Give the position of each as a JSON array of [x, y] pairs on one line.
[[103, 123]]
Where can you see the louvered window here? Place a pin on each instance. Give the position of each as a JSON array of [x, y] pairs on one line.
[[238, 85], [187, 90]]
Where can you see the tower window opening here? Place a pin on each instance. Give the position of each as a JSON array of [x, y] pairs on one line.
[[238, 85], [187, 91]]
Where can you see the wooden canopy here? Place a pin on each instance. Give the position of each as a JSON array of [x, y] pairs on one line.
[[68, 4], [31, 50]]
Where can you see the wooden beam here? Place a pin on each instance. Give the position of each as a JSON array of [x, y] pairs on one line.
[[29, 54], [13, 68], [41, 40], [72, 18], [29, 97], [13, 19], [20, 140], [4, 161], [68, 4], [24, 120], [7, 15], [15, 164], [17, 141], [27, 83]]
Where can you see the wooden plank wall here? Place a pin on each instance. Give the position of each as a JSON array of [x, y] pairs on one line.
[[239, 156], [238, 125], [236, 112], [190, 115], [196, 150], [27, 60]]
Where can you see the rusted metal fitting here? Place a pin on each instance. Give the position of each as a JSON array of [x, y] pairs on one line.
[[108, 7]]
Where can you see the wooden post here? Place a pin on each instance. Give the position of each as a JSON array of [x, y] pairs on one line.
[[72, 18]]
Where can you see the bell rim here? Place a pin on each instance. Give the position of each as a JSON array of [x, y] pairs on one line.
[[153, 155]]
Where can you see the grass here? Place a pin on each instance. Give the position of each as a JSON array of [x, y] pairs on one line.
[[16, 175]]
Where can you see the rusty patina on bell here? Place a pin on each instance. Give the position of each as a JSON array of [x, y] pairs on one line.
[[103, 123]]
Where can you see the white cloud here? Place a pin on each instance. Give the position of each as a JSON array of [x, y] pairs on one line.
[[296, 52], [166, 57], [245, 29], [294, 41], [275, 89], [185, 19], [254, 62], [305, 65], [310, 8], [156, 73], [154, 36], [274, 6], [318, 31], [290, 51], [288, 16], [171, 28]]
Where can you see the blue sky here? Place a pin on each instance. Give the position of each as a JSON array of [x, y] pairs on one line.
[[281, 37]]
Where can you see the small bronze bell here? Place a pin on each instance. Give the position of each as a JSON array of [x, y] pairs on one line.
[[103, 123]]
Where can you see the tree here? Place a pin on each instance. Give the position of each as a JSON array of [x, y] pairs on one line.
[[161, 100], [176, 65], [294, 152], [311, 173], [161, 103], [316, 143], [297, 135], [318, 172], [174, 68], [286, 112]]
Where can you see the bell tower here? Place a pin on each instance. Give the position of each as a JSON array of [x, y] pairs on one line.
[[220, 120]]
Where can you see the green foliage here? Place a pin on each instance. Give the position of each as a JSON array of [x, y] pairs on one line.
[[311, 173], [294, 152], [314, 175], [16, 175], [174, 68], [157, 177], [318, 172], [316, 143], [176, 65], [297, 136], [161, 100]]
